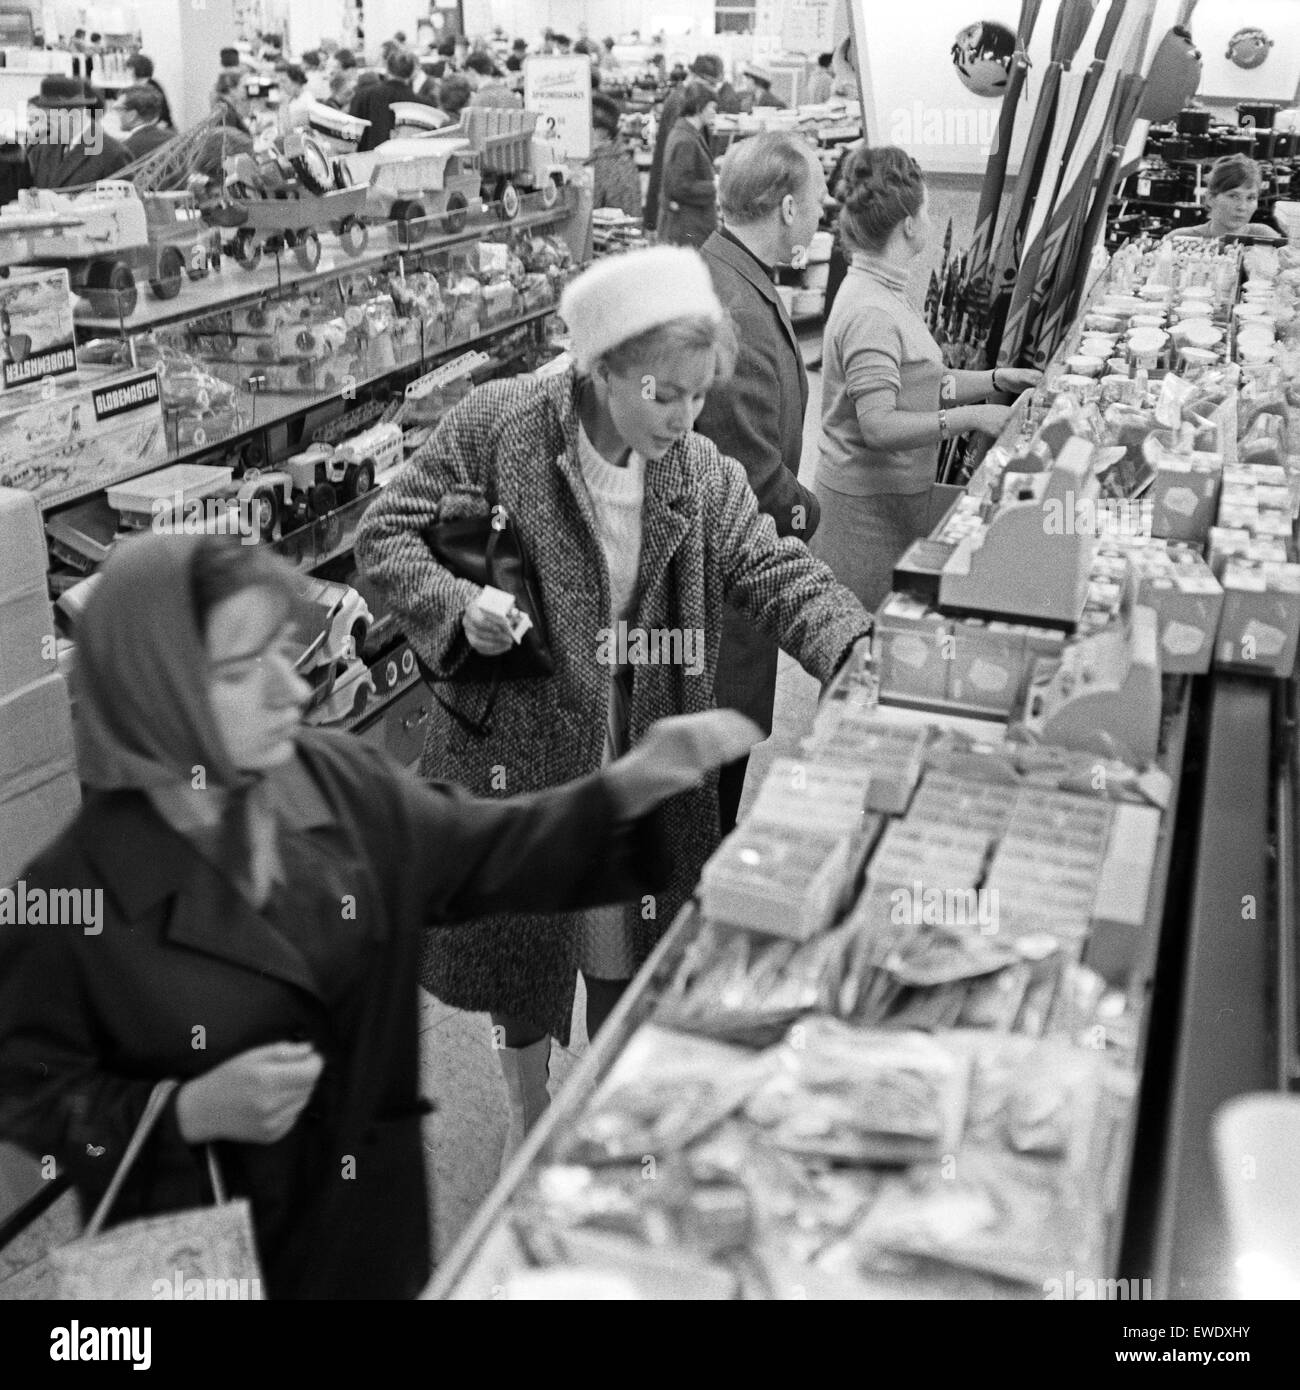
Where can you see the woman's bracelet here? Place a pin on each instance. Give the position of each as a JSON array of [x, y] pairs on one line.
[[944, 431], [993, 378]]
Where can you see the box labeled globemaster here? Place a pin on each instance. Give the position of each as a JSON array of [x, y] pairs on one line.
[[36, 338], [68, 439]]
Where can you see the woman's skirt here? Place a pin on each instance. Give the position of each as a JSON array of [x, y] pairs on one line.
[[863, 538]]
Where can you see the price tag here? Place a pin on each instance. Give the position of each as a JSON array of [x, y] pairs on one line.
[[1144, 188]]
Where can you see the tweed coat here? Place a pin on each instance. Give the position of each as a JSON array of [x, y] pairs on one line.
[[757, 418], [688, 197], [702, 540]]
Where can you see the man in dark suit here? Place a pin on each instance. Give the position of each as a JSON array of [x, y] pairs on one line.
[[66, 144], [374, 102], [771, 189], [139, 111]]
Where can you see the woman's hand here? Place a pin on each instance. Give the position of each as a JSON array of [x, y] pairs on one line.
[[1013, 380], [254, 1098], [985, 419], [675, 755], [488, 633]]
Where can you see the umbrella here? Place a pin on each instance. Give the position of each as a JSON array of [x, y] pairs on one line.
[[995, 174], [1072, 22], [1126, 29], [1168, 72]]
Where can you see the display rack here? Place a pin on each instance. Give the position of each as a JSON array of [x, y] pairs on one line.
[[272, 425]]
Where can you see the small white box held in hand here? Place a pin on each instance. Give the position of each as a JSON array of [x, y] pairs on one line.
[[499, 602]]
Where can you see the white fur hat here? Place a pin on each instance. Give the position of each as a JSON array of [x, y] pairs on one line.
[[623, 296]]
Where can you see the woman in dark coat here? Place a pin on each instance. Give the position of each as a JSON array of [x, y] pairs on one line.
[[688, 200], [262, 887], [634, 525]]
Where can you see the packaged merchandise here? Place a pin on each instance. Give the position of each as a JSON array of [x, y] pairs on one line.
[[82, 436], [860, 1096]]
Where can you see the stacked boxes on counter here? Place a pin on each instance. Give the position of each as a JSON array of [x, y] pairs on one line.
[[39, 793], [1183, 395]]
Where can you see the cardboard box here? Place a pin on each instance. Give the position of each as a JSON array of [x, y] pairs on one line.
[[37, 310], [35, 735], [30, 821], [1184, 499], [1188, 603], [83, 437], [987, 667], [28, 650], [1260, 626], [1118, 937], [909, 649], [23, 561]]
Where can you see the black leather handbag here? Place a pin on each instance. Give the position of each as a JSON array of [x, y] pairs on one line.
[[486, 550]]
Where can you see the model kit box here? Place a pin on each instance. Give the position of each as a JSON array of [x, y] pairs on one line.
[[36, 337], [81, 437]]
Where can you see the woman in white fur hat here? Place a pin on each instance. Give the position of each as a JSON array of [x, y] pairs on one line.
[[637, 530]]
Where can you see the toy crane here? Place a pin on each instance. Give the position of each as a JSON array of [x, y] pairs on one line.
[[170, 164]]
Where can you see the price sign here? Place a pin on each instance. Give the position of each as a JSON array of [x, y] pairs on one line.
[[558, 88]]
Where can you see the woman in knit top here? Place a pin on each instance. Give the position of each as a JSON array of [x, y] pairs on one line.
[[888, 400], [637, 530]]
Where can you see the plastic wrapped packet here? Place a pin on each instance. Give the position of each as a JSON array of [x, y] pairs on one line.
[[1016, 1218], [1033, 1097], [666, 1091], [862, 1096]]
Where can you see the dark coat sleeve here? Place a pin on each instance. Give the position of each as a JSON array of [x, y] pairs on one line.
[[743, 418], [545, 852], [670, 111], [60, 1095]]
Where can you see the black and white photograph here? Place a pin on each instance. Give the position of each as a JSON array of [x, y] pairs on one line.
[[649, 654]]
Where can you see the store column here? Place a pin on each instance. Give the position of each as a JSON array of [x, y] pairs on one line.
[[185, 38]]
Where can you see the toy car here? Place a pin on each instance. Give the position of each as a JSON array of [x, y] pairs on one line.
[[423, 176], [277, 202], [346, 620], [341, 691], [118, 236]]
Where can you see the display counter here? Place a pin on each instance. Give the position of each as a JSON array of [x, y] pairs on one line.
[[787, 1105]]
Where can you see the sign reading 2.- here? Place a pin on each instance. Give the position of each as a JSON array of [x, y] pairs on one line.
[[558, 88]]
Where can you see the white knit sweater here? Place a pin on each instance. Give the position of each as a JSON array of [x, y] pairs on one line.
[[616, 496]]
